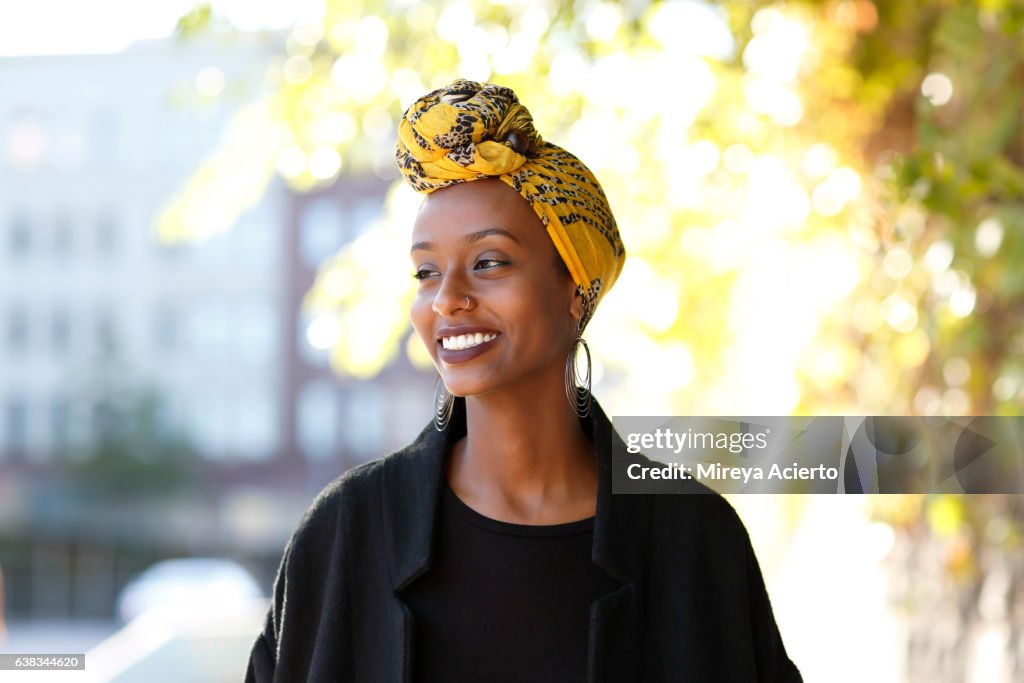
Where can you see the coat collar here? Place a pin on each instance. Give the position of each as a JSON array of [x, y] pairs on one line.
[[411, 487]]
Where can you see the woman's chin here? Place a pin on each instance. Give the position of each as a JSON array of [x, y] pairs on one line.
[[463, 389], [468, 386]]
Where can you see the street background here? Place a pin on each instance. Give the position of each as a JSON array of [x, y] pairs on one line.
[[204, 290]]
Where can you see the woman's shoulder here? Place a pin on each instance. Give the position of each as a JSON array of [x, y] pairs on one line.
[[355, 491], [349, 487], [338, 500], [681, 501], [698, 511]]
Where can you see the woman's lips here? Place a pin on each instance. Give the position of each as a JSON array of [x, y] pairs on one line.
[[453, 356]]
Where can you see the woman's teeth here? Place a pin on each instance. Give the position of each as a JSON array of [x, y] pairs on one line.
[[465, 341]]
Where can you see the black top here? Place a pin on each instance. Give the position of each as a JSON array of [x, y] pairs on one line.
[[504, 602]]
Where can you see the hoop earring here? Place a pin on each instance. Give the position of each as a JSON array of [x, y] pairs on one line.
[[443, 404], [577, 389]]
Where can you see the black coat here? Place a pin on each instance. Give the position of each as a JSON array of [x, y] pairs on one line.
[[692, 607]]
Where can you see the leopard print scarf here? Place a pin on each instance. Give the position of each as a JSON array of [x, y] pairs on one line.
[[469, 130]]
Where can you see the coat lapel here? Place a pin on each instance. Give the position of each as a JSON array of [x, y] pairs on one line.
[[410, 496], [411, 488], [620, 541]]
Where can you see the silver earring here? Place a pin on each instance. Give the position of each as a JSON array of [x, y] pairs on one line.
[[577, 389], [443, 404]]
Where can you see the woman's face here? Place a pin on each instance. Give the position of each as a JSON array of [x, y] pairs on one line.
[[481, 240]]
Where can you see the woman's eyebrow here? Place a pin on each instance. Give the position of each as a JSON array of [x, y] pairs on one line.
[[470, 238]]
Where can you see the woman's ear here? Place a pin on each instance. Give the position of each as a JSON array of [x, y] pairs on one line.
[[576, 307]]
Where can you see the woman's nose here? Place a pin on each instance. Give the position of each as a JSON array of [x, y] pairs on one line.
[[451, 296]]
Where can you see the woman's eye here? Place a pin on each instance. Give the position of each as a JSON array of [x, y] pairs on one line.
[[482, 264]]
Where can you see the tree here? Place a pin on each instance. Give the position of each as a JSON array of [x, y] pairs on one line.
[[133, 456], [822, 204]]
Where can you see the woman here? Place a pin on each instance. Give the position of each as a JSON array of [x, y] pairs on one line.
[[492, 549]]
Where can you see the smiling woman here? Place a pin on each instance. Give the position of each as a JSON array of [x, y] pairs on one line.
[[485, 266], [492, 548]]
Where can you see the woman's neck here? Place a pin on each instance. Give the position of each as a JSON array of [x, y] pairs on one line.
[[527, 462]]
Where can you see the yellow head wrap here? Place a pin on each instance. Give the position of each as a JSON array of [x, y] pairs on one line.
[[468, 130]]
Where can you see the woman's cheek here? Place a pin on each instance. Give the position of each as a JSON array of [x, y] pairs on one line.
[[421, 316]]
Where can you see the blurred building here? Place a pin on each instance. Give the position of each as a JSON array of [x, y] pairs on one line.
[[95, 309]]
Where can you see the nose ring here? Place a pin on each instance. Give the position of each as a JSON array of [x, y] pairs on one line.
[[465, 307]]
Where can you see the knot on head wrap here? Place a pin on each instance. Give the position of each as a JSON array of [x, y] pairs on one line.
[[469, 130]]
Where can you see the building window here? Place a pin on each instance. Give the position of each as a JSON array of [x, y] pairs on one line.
[[17, 329], [257, 240], [103, 137], [255, 332], [20, 235], [62, 235], [104, 419], [213, 253], [313, 356], [318, 419], [209, 425], [364, 214], [66, 145], [27, 140], [208, 328], [60, 422], [322, 230], [364, 419], [409, 411], [106, 333], [256, 428], [61, 330], [165, 329], [16, 427], [167, 250], [106, 235]]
